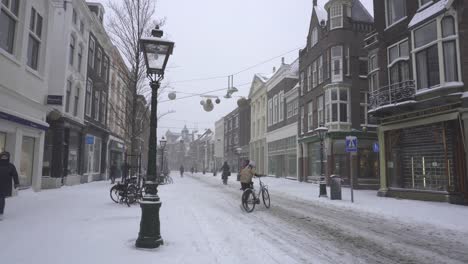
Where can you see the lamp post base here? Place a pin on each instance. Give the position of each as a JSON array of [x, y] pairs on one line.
[[150, 235]]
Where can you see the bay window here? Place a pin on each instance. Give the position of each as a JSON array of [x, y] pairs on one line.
[[336, 102], [281, 106], [275, 109], [435, 53], [320, 113], [395, 11], [336, 16], [337, 63]]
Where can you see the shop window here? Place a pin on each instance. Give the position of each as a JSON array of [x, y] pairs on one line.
[[2, 142], [97, 155], [27, 161]]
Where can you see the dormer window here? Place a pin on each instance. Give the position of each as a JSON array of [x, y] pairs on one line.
[[314, 36], [336, 16]]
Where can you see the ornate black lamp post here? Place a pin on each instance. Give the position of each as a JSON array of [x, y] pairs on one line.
[[322, 133], [156, 52], [162, 145]]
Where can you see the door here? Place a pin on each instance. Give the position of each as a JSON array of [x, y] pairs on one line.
[[27, 161]]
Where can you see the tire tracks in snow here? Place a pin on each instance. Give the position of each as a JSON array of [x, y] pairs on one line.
[[348, 236]]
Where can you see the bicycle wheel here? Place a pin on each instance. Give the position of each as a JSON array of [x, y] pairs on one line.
[[169, 179], [266, 198], [132, 194], [114, 194], [248, 200]]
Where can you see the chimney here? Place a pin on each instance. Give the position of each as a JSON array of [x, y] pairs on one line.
[[274, 69], [315, 3], [282, 60]]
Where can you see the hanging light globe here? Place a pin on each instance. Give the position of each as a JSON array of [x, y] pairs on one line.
[[217, 101], [172, 96]]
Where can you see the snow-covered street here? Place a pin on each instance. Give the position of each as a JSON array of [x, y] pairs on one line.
[[202, 222]]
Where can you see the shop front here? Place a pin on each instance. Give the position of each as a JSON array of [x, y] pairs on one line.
[[282, 158], [425, 160], [93, 158], [116, 155]]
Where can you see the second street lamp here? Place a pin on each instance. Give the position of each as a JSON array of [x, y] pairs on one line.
[[156, 52], [322, 133], [162, 145]]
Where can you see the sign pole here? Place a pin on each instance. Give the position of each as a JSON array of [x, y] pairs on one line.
[[352, 148], [352, 154]]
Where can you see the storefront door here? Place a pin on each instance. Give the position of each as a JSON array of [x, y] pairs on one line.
[[27, 161]]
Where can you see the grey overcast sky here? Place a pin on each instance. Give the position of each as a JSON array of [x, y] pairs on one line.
[[219, 38]]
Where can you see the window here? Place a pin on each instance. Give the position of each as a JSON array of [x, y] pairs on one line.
[[89, 89], [295, 106], [80, 57], [363, 108], [309, 78], [98, 62], [270, 112], [363, 67], [281, 106], [314, 74], [8, 20], [74, 17], [336, 102], [35, 34], [301, 128], [314, 36], [336, 16], [72, 50], [275, 109], [96, 105], [320, 113], [92, 48], [373, 74], [347, 61], [434, 48], [81, 27], [395, 11], [320, 69], [337, 63], [105, 69], [77, 101], [68, 95], [302, 86], [102, 109], [310, 115], [236, 121], [289, 111], [398, 56]]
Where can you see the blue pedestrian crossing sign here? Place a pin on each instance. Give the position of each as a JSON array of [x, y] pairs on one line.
[[376, 147], [351, 144]]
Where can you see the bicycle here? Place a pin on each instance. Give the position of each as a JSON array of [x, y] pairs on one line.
[[128, 191], [250, 199]]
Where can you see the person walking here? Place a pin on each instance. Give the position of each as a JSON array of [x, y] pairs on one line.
[[113, 172], [226, 172], [8, 174], [181, 169]]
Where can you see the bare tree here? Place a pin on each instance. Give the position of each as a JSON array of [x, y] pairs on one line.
[[131, 20]]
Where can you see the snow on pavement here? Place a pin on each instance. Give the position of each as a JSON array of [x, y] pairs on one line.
[[202, 222]]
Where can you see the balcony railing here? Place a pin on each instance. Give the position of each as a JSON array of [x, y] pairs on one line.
[[392, 94]]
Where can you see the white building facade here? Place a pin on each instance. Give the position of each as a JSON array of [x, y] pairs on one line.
[[258, 115], [24, 62]]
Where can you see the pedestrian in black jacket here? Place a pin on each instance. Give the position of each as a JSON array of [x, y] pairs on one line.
[[8, 174], [226, 172]]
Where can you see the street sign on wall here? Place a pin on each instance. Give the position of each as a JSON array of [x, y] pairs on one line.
[[89, 140], [351, 144], [376, 147]]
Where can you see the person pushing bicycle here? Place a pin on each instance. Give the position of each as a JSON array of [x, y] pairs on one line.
[[246, 175]]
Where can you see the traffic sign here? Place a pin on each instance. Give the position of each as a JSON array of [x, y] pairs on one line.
[[351, 144]]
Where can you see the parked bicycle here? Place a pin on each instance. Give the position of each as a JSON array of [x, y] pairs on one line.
[[129, 191], [250, 199], [165, 179]]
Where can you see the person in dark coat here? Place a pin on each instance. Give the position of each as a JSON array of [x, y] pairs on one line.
[[7, 175], [226, 172], [181, 169], [113, 172]]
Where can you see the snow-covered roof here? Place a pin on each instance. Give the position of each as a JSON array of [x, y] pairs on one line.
[[322, 15], [360, 13], [264, 77], [429, 12], [294, 68]]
